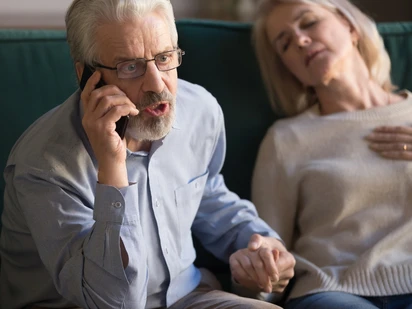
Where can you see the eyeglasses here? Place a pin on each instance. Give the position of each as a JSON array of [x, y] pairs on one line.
[[133, 68]]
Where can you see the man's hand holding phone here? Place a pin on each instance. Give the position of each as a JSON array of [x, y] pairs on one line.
[[103, 107]]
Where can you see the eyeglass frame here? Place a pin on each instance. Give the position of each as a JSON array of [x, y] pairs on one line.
[[181, 53]]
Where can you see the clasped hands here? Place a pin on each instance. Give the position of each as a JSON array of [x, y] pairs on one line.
[[265, 265]]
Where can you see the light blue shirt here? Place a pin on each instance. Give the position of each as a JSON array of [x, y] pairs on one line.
[[61, 229]]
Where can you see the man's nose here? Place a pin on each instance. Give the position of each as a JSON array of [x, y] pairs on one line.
[[153, 79]]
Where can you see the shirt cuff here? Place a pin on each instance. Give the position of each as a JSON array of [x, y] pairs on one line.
[[257, 226], [116, 205]]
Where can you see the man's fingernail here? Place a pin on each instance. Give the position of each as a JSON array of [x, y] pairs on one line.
[[253, 244]]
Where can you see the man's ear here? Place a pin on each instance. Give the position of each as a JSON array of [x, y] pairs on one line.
[[79, 70]]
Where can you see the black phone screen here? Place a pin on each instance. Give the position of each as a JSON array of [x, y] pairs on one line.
[[122, 123]]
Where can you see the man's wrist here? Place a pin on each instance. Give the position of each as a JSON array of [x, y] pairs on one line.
[[113, 175]]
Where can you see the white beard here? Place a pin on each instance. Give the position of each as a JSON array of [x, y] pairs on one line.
[[146, 128]]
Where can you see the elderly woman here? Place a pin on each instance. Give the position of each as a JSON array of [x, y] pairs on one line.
[[342, 209]]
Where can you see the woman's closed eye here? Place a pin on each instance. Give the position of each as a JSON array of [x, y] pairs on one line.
[[305, 24], [285, 45]]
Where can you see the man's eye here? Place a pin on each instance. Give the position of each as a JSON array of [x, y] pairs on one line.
[[128, 67], [131, 67], [164, 58]]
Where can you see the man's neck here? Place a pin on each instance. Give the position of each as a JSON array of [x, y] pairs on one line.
[[138, 145]]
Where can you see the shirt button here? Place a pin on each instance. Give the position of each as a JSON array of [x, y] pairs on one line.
[[117, 205], [166, 251], [157, 204], [195, 185]]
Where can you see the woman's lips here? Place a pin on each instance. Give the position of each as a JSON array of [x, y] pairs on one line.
[[311, 56]]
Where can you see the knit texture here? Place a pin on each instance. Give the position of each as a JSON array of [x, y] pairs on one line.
[[344, 211]]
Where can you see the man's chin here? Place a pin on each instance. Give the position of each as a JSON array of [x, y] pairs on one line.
[[150, 128]]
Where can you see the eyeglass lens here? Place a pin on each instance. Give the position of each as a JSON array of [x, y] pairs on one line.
[[165, 61]]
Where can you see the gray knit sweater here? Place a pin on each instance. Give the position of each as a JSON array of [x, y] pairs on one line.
[[345, 212]]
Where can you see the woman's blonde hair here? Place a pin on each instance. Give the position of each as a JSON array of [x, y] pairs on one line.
[[286, 93], [84, 17]]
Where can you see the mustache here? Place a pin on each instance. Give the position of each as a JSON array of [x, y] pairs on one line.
[[150, 98]]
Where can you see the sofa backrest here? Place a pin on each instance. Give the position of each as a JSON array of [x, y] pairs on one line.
[[37, 74]]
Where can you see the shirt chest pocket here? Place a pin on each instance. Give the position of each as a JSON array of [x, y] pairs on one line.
[[188, 199]]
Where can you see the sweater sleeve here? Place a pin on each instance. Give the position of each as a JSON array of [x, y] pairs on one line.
[[273, 191]]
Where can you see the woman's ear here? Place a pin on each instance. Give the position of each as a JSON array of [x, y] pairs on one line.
[[355, 36], [353, 32]]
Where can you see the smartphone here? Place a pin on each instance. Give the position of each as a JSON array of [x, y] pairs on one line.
[[122, 123]]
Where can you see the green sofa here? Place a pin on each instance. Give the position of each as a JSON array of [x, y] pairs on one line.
[[37, 74]]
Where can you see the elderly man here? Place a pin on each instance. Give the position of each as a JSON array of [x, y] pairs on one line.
[[97, 220]]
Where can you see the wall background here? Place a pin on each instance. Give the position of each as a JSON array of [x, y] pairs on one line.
[[50, 13], [387, 10], [33, 13]]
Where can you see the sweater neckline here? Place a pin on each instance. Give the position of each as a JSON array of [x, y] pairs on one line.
[[374, 113]]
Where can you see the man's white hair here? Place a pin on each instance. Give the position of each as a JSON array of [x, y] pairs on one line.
[[84, 17]]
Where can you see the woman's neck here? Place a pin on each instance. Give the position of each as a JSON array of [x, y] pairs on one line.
[[349, 96], [349, 88]]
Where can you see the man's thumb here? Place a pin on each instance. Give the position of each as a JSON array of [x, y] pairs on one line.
[[255, 242]]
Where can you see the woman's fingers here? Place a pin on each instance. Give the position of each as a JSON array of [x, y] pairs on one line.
[[392, 142], [397, 154], [396, 134], [269, 263], [394, 129]]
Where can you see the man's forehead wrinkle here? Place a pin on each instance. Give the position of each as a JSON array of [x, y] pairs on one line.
[[143, 38]]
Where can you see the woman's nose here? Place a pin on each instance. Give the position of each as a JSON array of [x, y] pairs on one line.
[[302, 39]]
